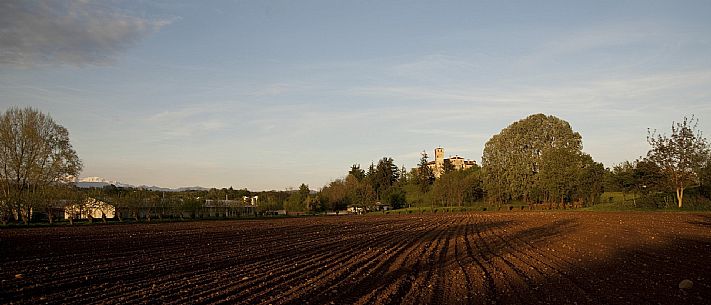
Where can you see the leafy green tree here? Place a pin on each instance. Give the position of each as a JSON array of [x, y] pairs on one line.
[[357, 172], [395, 197], [680, 156], [34, 153], [457, 187], [385, 177], [334, 196], [403, 176], [557, 174], [647, 176], [297, 200], [591, 180], [622, 178], [705, 178], [425, 176], [513, 158], [360, 193], [473, 184], [313, 204]]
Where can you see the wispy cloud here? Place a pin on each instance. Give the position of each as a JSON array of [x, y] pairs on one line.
[[72, 32], [577, 96], [187, 121]]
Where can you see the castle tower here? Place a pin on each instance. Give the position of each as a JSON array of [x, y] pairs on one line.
[[439, 161]]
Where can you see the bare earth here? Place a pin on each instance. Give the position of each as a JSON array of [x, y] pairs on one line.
[[474, 258]]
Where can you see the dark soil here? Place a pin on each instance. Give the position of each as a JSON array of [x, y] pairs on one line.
[[461, 258]]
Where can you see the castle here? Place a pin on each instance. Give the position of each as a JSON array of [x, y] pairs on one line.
[[457, 162]]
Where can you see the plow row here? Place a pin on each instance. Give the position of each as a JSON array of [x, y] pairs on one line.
[[458, 258]]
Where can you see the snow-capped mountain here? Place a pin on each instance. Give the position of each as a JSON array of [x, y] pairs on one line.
[[89, 182], [99, 182]]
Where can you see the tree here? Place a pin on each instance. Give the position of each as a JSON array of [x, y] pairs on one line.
[[35, 152], [705, 178], [359, 193], [395, 197], [385, 176], [558, 174], [357, 172], [680, 156], [647, 176], [334, 196], [622, 178], [513, 158], [457, 187], [424, 176], [449, 189], [297, 200], [591, 180]]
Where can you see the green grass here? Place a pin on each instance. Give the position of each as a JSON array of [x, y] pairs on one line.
[[613, 201]]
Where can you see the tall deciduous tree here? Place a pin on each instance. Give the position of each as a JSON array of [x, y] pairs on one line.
[[297, 200], [513, 158], [681, 155], [34, 152]]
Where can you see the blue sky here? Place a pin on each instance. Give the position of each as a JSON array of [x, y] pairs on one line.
[[270, 94]]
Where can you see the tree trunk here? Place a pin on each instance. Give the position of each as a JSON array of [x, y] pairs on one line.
[[26, 217], [50, 217], [103, 217], [679, 195]]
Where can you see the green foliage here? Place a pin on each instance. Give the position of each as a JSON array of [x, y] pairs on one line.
[[271, 201], [458, 187], [590, 181], [297, 200], [384, 177], [522, 154], [395, 197], [424, 177], [680, 156], [357, 172]]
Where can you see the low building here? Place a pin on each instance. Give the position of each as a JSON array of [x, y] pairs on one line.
[[92, 208], [355, 210], [230, 208], [379, 206]]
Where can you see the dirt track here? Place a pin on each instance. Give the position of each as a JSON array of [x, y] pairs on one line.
[[477, 258]]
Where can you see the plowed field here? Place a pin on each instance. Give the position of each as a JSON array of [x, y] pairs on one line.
[[461, 258]]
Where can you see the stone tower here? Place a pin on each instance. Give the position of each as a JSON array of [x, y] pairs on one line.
[[439, 161]]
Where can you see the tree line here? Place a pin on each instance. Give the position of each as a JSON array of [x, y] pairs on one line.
[[536, 160]]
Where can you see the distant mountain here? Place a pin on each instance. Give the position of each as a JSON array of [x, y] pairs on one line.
[[99, 182], [191, 188], [89, 182]]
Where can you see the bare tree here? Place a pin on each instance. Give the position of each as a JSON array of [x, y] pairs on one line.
[[34, 153]]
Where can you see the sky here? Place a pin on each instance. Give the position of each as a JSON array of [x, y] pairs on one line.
[[271, 94]]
